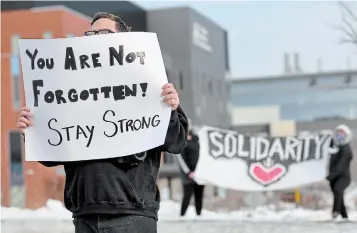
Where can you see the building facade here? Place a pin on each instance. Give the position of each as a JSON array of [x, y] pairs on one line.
[[299, 97], [196, 60]]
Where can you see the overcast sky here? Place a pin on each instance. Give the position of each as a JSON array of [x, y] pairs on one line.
[[260, 32]]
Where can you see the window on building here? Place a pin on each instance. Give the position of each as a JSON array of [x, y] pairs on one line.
[[210, 87], [16, 94], [15, 72], [348, 79], [15, 140], [15, 45], [313, 82], [47, 35], [15, 153], [219, 192], [181, 80]]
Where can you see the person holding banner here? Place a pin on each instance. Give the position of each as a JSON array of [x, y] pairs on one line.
[[187, 161], [118, 194], [339, 170]]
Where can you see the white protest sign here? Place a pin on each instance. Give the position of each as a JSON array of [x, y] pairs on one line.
[[94, 97], [247, 163]]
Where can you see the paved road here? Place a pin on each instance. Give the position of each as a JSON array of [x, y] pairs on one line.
[[53, 226]]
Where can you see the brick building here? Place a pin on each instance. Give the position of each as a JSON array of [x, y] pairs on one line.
[[28, 184]]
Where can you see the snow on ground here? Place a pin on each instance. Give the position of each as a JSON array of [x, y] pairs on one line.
[[55, 218], [169, 211]]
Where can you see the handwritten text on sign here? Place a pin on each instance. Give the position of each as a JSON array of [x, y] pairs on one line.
[[261, 163], [93, 97]]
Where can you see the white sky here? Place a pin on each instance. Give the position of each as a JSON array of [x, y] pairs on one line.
[[260, 32]]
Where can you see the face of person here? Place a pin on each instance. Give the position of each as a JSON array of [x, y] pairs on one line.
[[340, 136], [103, 26]]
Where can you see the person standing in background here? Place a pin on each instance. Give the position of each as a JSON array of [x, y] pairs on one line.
[[187, 161], [339, 169]]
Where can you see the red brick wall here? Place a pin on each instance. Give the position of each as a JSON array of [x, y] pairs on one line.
[[41, 183]]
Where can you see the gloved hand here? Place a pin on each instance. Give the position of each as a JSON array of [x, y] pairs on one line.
[[329, 177]]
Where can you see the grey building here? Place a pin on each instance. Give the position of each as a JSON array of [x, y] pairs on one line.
[[196, 60], [300, 97]]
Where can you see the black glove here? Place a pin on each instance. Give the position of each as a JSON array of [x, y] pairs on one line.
[[329, 177]]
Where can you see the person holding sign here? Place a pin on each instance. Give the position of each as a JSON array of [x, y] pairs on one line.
[[118, 194], [187, 161], [339, 170]]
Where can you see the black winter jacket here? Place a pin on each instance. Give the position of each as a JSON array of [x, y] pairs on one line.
[[339, 166], [188, 158], [111, 187]]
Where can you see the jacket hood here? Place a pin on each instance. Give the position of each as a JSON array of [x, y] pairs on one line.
[[347, 131]]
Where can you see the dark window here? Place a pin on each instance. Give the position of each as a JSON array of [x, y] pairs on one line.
[[215, 191], [312, 82], [226, 51], [15, 147], [348, 79], [210, 87], [15, 72], [181, 80]]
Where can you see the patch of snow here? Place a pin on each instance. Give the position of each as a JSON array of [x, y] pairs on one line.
[[351, 197], [53, 210], [169, 211]]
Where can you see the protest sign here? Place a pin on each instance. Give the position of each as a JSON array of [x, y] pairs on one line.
[[94, 97], [247, 163]]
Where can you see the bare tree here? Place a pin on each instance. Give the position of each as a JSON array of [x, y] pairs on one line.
[[349, 25]]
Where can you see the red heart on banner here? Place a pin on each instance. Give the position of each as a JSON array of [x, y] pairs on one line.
[[264, 175]]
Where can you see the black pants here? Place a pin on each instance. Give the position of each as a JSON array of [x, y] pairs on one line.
[[338, 188], [114, 224], [188, 189]]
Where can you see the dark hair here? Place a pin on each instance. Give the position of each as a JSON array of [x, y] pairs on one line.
[[121, 25]]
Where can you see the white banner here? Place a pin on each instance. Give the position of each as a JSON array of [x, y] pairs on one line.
[[235, 161], [94, 97]]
